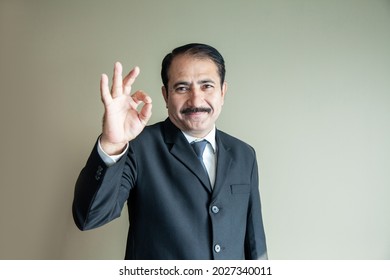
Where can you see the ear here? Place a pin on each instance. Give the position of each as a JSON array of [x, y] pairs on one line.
[[223, 91], [165, 95]]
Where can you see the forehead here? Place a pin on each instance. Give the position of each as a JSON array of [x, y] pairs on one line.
[[190, 67]]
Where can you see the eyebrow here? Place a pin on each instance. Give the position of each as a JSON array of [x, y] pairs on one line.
[[201, 82], [206, 81], [181, 83]]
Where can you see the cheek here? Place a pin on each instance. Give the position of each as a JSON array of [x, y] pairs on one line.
[[175, 104], [217, 103]]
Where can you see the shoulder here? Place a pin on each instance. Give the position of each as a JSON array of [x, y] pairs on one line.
[[232, 143]]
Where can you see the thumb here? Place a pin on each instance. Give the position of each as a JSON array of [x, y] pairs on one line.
[[145, 113]]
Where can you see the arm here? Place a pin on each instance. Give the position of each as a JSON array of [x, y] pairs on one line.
[[255, 243], [100, 190]]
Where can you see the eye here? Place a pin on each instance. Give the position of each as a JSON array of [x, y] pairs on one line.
[[207, 86], [181, 89]]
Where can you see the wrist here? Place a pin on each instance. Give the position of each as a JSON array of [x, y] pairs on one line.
[[112, 149]]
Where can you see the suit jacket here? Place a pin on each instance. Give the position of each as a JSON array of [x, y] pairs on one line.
[[173, 211]]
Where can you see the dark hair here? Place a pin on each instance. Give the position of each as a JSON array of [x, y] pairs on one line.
[[196, 50]]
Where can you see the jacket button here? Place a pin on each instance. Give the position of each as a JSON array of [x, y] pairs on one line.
[[215, 209], [98, 173], [217, 248]]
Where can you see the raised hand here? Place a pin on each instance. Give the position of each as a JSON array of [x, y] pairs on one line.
[[122, 122]]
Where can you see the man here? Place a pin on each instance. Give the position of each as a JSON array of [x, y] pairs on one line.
[[187, 198]]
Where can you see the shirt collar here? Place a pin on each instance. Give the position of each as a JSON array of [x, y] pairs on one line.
[[209, 137]]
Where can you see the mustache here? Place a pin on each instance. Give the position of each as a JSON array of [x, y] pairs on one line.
[[195, 110]]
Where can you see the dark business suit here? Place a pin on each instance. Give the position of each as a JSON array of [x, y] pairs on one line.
[[174, 213]]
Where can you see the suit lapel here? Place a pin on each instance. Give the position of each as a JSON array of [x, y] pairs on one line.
[[182, 150], [224, 161]]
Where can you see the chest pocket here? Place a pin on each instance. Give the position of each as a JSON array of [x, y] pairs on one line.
[[240, 188]]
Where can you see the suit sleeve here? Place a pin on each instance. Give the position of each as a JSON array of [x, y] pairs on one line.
[[101, 191], [255, 243]]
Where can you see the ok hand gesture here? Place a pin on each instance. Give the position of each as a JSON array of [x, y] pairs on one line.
[[122, 122]]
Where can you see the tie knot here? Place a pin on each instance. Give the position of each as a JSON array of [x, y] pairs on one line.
[[199, 147]]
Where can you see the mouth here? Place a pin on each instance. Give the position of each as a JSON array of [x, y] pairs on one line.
[[190, 111]]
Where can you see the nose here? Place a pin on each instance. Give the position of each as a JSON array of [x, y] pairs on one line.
[[196, 97]]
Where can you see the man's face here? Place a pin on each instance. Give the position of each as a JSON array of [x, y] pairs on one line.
[[194, 96]]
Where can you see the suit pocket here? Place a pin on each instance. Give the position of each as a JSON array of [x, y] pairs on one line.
[[240, 188]]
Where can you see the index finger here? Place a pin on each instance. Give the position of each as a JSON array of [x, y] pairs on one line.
[[141, 96]]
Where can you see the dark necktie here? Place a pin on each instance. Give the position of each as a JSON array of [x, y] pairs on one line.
[[199, 147]]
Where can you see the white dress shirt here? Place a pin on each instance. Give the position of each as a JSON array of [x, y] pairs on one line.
[[209, 154]]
